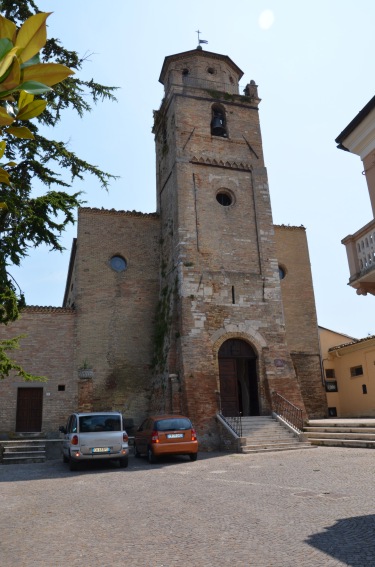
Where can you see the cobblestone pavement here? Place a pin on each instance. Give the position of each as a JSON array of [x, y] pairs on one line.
[[309, 508]]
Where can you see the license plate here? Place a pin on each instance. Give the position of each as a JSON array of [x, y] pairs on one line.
[[101, 450], [174, 435]]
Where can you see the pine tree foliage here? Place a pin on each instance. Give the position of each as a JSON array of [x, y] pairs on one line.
[[28, 221]]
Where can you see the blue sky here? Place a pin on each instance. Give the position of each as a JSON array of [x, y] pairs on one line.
[[313, 62]]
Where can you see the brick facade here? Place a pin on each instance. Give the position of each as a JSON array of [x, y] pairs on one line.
[[201, 271], [47, 349]]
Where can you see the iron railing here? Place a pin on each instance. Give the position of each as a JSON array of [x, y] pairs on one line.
[[233, 422], [288, 411]]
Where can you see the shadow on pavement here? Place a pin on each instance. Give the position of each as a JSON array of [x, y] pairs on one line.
[[57, 469], [351, 540]]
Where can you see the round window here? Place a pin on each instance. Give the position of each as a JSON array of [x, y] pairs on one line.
[[224, 198], [118, 263]]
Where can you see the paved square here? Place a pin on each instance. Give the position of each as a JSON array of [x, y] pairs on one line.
[[309, 508]]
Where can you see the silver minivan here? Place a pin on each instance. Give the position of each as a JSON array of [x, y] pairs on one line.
[[94, 436]]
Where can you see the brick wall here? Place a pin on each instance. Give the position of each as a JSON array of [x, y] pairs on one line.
[[116, 310], [47, 350], [300, 316]]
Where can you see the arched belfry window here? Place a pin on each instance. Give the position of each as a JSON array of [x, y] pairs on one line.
[[218, 122]]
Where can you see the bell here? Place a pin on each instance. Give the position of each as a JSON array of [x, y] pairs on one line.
[[217, 126]]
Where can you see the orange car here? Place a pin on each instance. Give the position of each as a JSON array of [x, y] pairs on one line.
[[166, 435]]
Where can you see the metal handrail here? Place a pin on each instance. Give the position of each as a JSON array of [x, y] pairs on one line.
[[235, 423], [288, 411]]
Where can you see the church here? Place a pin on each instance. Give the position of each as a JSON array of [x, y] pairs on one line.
[[204, 306]]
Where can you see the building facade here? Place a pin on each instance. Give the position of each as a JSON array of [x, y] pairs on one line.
[[359, 138], [204, 305], [349, 368]]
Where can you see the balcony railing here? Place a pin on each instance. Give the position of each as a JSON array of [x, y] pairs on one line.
[[360, 248]]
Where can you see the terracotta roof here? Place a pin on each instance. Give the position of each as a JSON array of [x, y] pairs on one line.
[[354, 342]]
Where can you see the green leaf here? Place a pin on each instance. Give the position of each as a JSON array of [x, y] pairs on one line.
[[48, 73], [4, 176], [6, 62], [21, 132], [8, 29], [33, 87], [5, 46], [5, 119], [2, 148], [31, 110], [24, 99], [13, 78], [33, 61], [32, 36]]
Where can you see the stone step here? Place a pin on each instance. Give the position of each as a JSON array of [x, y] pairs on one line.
[[22, 460], [267, 449], [360, 430], [18, 454], [24, 452], [343, 443], [342, 435], [11, 449]]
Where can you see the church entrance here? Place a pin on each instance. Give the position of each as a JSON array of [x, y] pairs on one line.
[[238, 379]]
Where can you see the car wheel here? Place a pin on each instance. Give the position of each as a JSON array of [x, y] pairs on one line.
[[123, 462], [150, 456], [193, 456]]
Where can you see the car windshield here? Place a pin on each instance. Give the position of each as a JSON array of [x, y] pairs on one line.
[[173, 424], [93, 423]]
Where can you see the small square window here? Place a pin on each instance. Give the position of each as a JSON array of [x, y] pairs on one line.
[[61, 388], [331, 386], [330, 373], [356, 371], [332, 412]]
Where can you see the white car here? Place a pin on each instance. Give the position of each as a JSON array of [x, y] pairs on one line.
[[94, 436]]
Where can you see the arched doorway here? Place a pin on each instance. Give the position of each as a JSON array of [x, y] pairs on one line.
[[238, 378]]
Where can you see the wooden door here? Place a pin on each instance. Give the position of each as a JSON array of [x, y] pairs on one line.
[[29, 410], [228, 386]]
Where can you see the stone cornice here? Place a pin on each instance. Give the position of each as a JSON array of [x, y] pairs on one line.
[[288, 227], [46, 309], [96, 211], [200, 53], [219, 163]]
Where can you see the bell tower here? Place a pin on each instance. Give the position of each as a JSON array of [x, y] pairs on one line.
[[220, 331]]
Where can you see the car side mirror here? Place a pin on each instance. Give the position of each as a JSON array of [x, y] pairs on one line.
[[62, 429]]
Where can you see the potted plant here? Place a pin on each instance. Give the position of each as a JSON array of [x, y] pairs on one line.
[[85, 371]]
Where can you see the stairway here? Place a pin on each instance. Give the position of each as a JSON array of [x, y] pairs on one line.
[[358, 433], [25, 451], [264, 434]]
